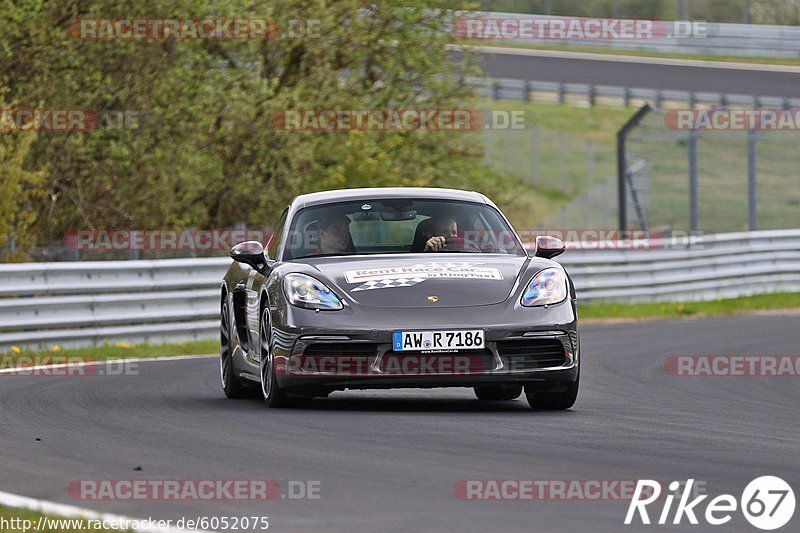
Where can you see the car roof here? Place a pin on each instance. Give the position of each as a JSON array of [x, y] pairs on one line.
[[343, 195]]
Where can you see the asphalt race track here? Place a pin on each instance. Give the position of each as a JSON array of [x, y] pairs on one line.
[[645, 73], [388, 460]]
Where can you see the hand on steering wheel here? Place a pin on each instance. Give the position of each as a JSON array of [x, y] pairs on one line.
[[435, 244]]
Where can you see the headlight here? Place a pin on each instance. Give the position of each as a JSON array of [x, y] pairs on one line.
[[308, 292], [548, 286]]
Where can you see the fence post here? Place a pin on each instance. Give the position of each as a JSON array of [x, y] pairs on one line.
[[752, 193], [133, 251], [561, 91], [592, 94], [622, 166], [693, 219], [495, 92], [535, 154], [626, 96], [526, 95], [561, 162], [589, 181]]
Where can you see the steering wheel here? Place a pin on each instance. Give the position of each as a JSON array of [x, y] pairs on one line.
[[458, 244]]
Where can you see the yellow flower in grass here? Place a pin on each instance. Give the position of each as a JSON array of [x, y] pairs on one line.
[[55, 348], [122, 345], [15, 349]]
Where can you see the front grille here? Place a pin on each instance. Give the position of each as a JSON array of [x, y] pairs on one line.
[[530, 354], [465, 362]]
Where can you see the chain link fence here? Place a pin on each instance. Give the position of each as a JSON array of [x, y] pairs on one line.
[[711, 181], [579, 174]]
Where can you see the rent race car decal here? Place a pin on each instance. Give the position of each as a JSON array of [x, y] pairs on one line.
[[384, 278]]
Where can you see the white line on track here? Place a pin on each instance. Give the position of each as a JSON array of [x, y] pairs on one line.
[[725, 65], [26, 369], [68, 511]]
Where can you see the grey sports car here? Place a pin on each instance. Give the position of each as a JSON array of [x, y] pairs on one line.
[[398, 287]]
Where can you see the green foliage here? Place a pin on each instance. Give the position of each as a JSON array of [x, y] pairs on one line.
[[205, 147], [20, 191]]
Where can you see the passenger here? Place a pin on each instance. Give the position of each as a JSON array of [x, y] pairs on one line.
[[334, 235]]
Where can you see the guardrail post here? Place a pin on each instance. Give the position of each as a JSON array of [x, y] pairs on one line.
[[592, 95], [786, 104], [561, 92], [526, 91], [693, 219], [723, 100], [752, 196], [692, 100], [626, 96], [658, 99], [495, 92]]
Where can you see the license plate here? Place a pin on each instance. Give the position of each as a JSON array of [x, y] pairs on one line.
[[469, 339]]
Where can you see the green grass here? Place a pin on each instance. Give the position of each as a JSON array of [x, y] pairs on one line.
[[720, 307], [641, 53], [117, 350], [532, 173], [722, 168], [539, 169], [7, 514], [598, 124]]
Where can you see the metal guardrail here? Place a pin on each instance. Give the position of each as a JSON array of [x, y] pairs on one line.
[[745, 40], [528, 90], [69, 304], [80, 303]]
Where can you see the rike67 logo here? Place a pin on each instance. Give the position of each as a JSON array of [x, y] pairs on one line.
[[767, 503]]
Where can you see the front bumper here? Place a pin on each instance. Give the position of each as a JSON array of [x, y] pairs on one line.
[[547, 359]]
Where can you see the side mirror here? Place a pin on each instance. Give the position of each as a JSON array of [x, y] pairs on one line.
[[549, 247], [250, 253]]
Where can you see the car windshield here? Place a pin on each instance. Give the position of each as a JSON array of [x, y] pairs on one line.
[[397, 226]]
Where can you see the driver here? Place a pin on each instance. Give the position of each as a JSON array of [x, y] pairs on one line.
[[441, 230]]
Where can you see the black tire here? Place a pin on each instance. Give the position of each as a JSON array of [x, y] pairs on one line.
[[498, 393], [554, 401], [270, 390], [231, 385]]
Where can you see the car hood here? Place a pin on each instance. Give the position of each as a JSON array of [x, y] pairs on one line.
[[422, 280]]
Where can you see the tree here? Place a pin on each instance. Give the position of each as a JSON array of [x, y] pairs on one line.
[[204, 152]]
